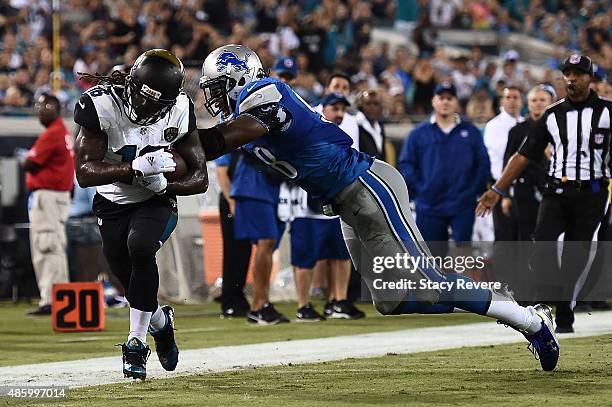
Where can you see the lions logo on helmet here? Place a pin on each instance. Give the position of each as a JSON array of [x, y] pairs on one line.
[[229, 58], [225, 72], [152, 86]]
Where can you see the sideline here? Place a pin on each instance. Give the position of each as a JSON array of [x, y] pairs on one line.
[[107, 370]]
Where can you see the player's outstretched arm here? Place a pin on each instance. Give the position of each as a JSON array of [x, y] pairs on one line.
[[196, 179], [90, 148], [230, 135], [489, 199]]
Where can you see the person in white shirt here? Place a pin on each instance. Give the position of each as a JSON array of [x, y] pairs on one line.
[[496, 139]]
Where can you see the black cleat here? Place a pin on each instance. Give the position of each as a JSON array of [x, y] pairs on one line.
[[41, 311], [165, 345], [135, 355], [346, 310], [328, 309], [308, 314], [233, 312], [267, 315]]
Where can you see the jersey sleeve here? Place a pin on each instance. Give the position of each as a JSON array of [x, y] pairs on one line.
[[258, 94], [538, 138], [186, 120], [86, 115]]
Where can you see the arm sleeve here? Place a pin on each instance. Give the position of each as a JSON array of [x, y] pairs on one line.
[[273, 116], [408, 164], [538, 138], [85, 114]]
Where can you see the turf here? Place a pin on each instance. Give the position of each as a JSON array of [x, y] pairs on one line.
[[31, 340], [493, 375]]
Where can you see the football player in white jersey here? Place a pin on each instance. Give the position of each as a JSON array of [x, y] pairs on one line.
[[127, 124]]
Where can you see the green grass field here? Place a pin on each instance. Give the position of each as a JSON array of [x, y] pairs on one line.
[[486, 376], [27, 339]]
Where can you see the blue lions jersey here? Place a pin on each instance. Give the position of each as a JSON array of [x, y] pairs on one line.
[[304, 147]]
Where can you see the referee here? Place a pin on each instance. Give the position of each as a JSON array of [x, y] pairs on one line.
[[576, 193]]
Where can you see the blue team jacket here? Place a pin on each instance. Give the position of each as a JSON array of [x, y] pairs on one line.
[[445, 173]]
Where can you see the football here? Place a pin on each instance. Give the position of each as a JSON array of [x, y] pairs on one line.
[[181, 167]]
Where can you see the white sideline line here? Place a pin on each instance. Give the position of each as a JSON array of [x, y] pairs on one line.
[[106, 370]]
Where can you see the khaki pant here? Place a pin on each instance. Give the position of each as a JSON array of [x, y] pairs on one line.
[[48, 216]]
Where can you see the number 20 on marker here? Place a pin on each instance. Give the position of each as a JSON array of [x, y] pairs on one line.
[[77, 307]]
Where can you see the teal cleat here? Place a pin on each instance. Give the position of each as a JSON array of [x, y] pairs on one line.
[[135, 355], [165, 345]]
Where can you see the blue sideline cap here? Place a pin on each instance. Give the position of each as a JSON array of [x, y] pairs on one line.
[[333, 98], [446, 86], [286, 66]]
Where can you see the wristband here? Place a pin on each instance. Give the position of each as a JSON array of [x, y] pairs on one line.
[[498, 191]]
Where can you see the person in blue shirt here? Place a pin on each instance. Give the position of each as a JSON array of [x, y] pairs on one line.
[[275, 125], [445, 190], [236, 252]]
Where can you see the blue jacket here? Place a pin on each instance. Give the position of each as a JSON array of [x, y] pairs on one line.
[[444, 172]]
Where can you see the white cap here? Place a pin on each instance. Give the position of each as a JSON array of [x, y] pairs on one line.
[[511, 55]]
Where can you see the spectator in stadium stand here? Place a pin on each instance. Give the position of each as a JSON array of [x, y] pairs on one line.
[[50, 173], [20, 94], [463, 79], [444, 190], [576, 195], [236, 253], [424, 84], [479, 108], [371, 131], [509, 72], [600, 82], [496, 139]]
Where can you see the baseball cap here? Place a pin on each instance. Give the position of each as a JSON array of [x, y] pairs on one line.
[[333, 98], [579, 62], [286, 65], [446, 86], [511, 55], [599, 73]]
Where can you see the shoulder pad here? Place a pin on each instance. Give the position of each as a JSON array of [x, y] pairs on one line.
[[265, 95]]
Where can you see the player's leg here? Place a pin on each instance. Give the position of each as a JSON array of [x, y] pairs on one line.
[[150, 225], [377, 209]]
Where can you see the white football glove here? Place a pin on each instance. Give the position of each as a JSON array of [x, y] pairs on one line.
[[153, 163], [156, 183]]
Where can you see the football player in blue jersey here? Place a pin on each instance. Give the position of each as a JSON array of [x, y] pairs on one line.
[[274, 124]]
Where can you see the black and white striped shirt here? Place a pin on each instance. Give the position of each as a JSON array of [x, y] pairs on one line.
[[580, 137]]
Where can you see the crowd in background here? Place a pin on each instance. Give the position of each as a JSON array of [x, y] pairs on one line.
[[322, 35]]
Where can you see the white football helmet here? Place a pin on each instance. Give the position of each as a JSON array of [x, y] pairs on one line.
[[225, 72]]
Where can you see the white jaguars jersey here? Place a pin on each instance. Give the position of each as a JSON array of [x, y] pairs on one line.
[[101, 108]]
